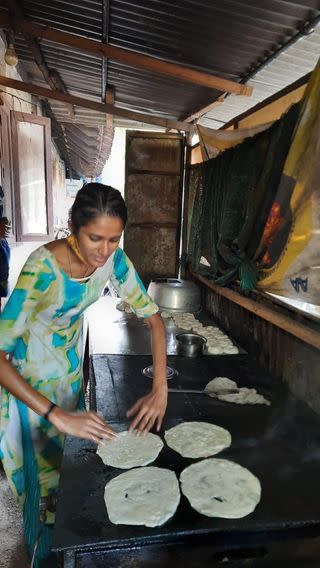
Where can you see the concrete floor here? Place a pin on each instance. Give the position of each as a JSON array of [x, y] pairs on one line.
[[12, 548]]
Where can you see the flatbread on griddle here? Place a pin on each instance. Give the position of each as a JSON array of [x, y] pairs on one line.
[[220, 488], [146, 496], [130, 450], [197, 439]]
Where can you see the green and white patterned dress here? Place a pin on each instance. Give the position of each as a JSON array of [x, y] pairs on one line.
[[41, 328]]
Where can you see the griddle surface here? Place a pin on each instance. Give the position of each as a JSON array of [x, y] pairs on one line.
[[279, 444]]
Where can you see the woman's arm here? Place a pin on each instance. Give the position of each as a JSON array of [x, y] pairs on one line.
[[83, 424], [150, 409]]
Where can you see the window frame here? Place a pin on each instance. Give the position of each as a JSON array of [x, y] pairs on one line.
[[17, 117]]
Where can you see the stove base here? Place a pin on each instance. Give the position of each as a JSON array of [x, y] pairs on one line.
[[240, 551]]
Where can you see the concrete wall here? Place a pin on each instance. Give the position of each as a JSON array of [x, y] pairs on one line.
[[61, 201]]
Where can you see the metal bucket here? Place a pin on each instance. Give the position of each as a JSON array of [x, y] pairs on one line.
[[190, 344]]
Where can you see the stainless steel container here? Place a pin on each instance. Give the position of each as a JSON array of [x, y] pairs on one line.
[[190, 344], [175, 294]]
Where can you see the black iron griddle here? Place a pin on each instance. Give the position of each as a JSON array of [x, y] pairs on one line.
[[279, 444]]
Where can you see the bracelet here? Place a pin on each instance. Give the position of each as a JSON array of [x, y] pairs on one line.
[[47, 414]]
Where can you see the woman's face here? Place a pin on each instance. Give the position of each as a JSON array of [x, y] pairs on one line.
[[99, 239]]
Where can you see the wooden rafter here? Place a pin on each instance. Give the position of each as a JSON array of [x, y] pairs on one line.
[[203, 110], [51, 77], [106, 135], [178, 72], [100, 107]]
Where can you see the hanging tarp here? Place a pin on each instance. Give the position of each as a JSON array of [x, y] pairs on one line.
[[231, 197], [212, 142], [289, 252]]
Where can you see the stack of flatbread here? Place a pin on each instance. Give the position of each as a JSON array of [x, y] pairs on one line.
[[243, 396], [218, 343]]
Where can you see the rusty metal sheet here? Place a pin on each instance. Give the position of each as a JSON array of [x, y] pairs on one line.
[[157, 154], [153, 250], [153, 192], [146, 189]]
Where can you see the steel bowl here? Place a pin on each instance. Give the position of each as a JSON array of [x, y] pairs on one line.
[[190, 344], [175, 294]]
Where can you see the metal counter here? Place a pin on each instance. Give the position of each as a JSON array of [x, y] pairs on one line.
[[118, 333]]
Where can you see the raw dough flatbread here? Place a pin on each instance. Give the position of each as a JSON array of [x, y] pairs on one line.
[[166, 315], [244, 396], [130, 450], [124, 307], [220, 488], [144, 496], [197, 439], [220, 383]]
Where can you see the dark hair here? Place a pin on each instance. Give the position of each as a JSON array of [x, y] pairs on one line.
[[93, 200]]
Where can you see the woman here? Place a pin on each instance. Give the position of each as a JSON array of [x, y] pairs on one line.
[[41, 329]]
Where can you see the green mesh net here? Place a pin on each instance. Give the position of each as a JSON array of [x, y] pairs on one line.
[[230, 197]]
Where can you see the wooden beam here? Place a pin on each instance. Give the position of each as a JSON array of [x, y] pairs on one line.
[[203, 110], [109, 118], [128, 57], [109, 99], [290, 326], [99, 107], [106, 132], [52, 78], [57, 84]]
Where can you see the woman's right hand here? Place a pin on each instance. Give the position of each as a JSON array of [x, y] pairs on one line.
[[88, 425]]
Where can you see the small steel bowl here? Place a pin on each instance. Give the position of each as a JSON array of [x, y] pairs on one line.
[[190, 344]]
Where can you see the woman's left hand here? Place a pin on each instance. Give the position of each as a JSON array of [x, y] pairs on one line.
[[149, 409]]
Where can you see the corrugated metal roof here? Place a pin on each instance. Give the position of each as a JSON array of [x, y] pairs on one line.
[[229, 39], [290, 65]]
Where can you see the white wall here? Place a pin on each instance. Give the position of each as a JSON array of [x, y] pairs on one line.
[[61, 201], [114, 170]]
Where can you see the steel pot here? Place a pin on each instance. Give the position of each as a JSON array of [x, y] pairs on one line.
[[190, 344], [175, 294]]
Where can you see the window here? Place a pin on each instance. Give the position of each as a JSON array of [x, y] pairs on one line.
[[31, 141]]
